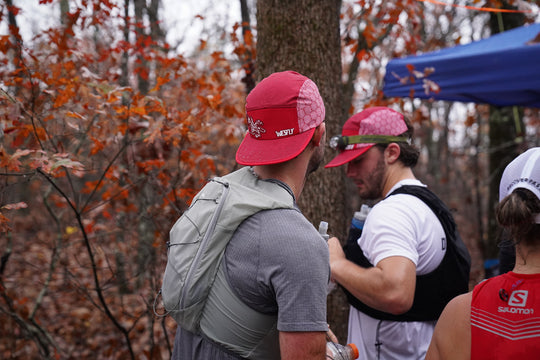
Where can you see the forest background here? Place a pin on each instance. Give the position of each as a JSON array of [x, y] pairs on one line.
[[108, 128]]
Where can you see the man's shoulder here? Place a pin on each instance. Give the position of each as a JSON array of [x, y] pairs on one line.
[[284, 231], [401, 200], [403, 210], [403, 185], [411, 193], [283, 216]]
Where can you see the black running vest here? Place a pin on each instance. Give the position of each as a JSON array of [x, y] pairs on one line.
[[434, 290]]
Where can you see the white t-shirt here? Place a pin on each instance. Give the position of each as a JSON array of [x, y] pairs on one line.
[[401, 225]]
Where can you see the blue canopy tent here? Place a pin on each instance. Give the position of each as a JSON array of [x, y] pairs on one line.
[[502, 70]]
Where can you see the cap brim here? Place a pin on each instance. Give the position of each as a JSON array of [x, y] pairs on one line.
[[348, 155], [266, 152]]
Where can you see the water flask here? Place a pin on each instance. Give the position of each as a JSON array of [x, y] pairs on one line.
[[337, 351], [323, 230], [357, 224], [351, 248], [360, 217]]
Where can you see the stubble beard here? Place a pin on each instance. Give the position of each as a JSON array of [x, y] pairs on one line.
[[373, 187], [315, 160]]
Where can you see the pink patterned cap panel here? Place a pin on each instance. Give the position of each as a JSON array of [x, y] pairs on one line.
[[382, 122], [310, 106]]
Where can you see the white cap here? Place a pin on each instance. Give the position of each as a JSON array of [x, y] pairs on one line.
[[522, 172]]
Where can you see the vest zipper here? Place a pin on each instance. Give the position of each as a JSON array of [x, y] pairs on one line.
[[209, 233]]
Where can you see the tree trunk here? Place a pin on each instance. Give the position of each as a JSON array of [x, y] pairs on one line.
[[141, 67], [504, 130], [303, 35], [64, 11], [156, 33], [124, 75], [16, 39], [248, 62], [505, 126]]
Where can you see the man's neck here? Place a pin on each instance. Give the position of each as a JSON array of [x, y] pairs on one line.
[[292, 173], [395, 174]]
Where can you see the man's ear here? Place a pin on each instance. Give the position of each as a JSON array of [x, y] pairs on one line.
[[319, 134], [391, 153]]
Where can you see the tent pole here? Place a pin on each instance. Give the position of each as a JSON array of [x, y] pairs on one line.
[[500, 21]]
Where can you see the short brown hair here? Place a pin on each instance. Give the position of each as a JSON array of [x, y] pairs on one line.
[[408, 154]]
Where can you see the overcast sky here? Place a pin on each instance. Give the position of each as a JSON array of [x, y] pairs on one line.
[[182, 26], [180, 22], [179, 18]]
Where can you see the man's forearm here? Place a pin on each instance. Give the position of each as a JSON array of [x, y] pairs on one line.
[[387, 287]]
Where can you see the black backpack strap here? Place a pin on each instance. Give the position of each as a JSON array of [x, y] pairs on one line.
[[433, 290]]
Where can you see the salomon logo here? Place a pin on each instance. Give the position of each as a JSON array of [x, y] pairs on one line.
[[517, 303], [518, 298]]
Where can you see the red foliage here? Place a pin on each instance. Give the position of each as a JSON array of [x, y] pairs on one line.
[[93, 175]]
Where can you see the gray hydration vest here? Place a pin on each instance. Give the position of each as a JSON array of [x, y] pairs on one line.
[[195, 290]]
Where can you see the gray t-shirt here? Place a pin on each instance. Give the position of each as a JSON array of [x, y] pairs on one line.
[[276, 263]]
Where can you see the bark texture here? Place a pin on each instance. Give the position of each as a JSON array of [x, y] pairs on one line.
[[303, 35]]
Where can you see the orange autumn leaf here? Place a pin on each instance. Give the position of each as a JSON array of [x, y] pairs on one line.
[[15, 206]]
